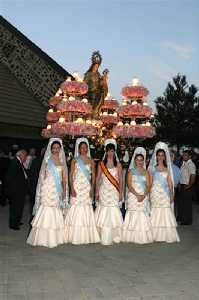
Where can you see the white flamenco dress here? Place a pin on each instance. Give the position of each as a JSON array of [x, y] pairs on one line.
[[162, 217], [48, 222], [108, 215], [137, 226], [80, 227]]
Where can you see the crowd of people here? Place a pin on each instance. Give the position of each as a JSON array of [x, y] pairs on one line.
[[116, 199]]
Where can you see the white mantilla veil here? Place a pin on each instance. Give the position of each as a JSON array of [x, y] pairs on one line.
[[138, 150], [78, 141], [42, 172], [153, 161], [113, 142]]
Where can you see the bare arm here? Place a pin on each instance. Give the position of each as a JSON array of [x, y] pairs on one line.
[[93, 177], [129, 183], [98, 178], [148, 184], [120, 176], [73, 192], [191, 182], [170, 184]]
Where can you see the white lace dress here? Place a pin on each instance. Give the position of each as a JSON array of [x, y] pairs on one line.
[[80, 227], [137, 226], [48, 222], [162, 216], [108, 215]]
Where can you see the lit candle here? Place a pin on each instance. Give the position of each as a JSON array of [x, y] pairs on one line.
[[133, 123], [61, 119]]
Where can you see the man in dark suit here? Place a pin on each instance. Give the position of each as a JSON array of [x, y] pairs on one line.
[[16, 188]]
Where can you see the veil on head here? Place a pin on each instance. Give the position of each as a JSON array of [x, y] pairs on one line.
[[78, 141], [47, 156], [113, 142], [138, 150], [153, 161]]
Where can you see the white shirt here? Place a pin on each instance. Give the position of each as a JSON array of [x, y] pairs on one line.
[[187, 169]]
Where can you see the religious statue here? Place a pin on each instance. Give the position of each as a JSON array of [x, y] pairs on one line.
[[97, 83]]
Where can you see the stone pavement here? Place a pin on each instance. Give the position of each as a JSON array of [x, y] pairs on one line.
[[121, 272]]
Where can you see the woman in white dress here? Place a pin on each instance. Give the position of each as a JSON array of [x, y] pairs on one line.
[[162, 195], [137, 226], [109, 193], [80, 225], [51, 198]]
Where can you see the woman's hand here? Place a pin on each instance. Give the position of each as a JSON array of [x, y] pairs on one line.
[[140, 198], [97, 195], [91, 193], [73, 193], [121, 196]]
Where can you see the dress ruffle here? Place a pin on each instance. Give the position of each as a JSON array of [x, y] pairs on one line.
[[47, 228], [164, 225], [80, 225], [109, 223], [137, 228]]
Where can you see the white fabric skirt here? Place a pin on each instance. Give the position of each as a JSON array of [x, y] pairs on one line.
[[109, 223], [80, 227], [164, 225], [137, 228], [47, 227]]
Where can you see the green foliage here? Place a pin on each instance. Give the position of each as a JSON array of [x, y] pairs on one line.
[[177, 117]]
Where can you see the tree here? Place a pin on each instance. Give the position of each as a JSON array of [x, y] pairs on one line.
[[177, 117]]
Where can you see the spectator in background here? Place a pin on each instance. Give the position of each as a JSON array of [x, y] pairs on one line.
[[16, 188], [185, 197], [176, 178], [29, 159]]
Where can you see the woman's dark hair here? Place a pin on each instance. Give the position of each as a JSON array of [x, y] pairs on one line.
[[108, 148], [83, 143], [139, 154], [55, 143], [164, 161]]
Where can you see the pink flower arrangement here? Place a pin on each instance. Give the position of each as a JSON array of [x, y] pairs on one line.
[[74, 87], [110, 104], [134, 91], [69, 128], [55, 100], [52, 117], [135, 131], [107, 119], [135, 110], [75, 106]]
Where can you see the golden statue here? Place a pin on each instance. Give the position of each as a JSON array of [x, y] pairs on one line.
[[97, 83]]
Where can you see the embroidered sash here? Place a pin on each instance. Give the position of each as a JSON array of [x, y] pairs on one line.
[[142, 181], [109, 176], [140, 178], [57, 180], [83, 168], [163, 182]]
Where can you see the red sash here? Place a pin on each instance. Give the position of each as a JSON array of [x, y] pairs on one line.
[[110, 177]]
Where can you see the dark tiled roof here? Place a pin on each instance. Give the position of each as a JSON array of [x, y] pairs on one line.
[[35, 48]]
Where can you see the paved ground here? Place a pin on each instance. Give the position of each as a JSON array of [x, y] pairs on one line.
[[93, 272]]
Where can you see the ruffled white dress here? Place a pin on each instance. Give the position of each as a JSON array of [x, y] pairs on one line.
[[137, 225], [48, 222], [162, 216], [108, 215], [80, 227]]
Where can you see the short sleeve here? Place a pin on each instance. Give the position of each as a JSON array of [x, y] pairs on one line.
[[192, 168]]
